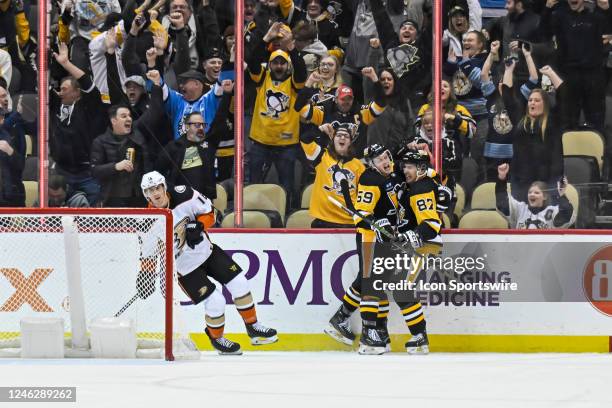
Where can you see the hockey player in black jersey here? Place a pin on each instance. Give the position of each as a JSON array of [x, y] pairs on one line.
[[376, 200], [421, 229], [197, 260]]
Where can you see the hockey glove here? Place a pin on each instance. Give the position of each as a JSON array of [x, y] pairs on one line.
[[445, 195], [145, 284], [193, 234], [412, 237], [383, 225]]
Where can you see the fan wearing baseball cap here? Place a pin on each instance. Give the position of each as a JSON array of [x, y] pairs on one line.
[[275, 127], [344, 109]]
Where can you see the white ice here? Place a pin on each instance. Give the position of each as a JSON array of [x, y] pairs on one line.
[[326, 379]]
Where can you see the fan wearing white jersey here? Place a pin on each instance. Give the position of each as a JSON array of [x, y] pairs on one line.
[[198, 259], [537, 212]]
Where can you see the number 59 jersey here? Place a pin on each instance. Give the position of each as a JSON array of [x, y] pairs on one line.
[[377, 198]]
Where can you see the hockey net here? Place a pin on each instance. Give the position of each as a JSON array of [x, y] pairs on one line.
[[84, 264]]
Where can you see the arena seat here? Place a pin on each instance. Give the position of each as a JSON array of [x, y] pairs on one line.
[[306, 194], [460, 204], [220, 202], [31, 192], [250, 219], [299, 219], [483, 197], [584, 143], [266, 197], [483, 219]]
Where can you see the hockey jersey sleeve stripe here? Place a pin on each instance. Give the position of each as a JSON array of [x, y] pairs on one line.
[[208, 220], [311, 150]]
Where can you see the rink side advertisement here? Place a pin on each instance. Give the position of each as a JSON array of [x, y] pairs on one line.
[[528, 292], [485, 292]]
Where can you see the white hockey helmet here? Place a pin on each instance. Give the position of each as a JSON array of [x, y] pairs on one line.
[[152, 179]]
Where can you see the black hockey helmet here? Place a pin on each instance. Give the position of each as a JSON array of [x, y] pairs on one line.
[[417, 157], [373, 151]]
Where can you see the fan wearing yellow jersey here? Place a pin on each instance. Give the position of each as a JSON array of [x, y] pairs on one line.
[[334, 165]]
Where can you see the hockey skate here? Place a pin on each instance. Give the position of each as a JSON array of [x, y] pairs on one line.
[[261, 334], [371, 342], [224, 346], [418, 344], [339, 328], [384, 335]]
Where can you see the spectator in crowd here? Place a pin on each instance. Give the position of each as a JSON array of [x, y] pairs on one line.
[[578, 32], [459, 126], [15, 38], [75, 120], [333, 165], [537, 148], [311, 49], [58, 197], [12, 162], [119, 158], [84, 20], [465, 71], [407, 52], [460, 22], [190, 160], [540, 210], [520, 24], [275, 127], [498, 145], [192, 98], [344, 110], [325, 29]]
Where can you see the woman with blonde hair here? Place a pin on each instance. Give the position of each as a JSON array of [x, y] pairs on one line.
[[537, 147]]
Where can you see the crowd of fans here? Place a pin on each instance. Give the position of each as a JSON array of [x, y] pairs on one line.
[[139, 85]]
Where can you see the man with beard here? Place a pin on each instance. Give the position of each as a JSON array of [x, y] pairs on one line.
[[190, 160], [275, 127]]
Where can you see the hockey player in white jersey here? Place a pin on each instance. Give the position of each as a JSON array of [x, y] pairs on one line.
[[198, 259], [538, 212]]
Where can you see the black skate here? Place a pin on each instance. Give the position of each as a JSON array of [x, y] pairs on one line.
[[384, 335], [224, 346], [371, 342], [340, 328], [418, 344], [261, 334]]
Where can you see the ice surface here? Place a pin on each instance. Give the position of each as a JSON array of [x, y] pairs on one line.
[[326, 379]]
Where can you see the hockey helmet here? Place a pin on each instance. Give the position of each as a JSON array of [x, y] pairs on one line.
[[418, 157], [373, 151], [152, 179]]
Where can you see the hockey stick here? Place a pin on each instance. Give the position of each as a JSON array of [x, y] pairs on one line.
[[127, 305]]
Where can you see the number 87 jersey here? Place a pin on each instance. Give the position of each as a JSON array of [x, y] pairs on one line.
[[421, 215]]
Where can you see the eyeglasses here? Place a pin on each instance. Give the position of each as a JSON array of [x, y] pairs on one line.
[[343, 135], [326, 64], [196, 124]]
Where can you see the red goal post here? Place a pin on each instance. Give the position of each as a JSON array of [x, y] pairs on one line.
[[107, 239]]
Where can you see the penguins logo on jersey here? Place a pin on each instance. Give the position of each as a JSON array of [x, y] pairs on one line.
[[402, 58], [337, 175], [277, 103], [180, 189], [502, 123], [461, 84]]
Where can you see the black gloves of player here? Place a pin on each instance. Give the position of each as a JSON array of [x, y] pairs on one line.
[[193, 234], [445, 195], [384, 225]]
